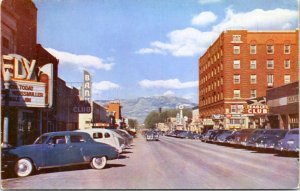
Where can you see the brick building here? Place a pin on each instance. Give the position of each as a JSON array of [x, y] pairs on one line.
[[241, 65], [283, 102], [19, 39]]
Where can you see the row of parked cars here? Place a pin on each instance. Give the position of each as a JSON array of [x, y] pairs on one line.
[[64, 148], [281, 140], [183, 134]]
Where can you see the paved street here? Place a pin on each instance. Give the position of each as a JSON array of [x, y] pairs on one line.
[[173, 163]]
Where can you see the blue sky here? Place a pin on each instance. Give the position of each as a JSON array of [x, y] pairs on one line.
[[137, 48]]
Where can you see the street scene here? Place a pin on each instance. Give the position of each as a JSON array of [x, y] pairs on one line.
[[173, 163], [170, 94]]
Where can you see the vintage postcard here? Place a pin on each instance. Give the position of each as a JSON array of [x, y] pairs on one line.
[[150, 94]]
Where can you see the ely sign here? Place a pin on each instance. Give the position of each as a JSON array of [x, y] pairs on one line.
[[24, 90]]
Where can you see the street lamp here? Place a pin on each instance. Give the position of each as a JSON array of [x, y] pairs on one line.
[[6, 79]]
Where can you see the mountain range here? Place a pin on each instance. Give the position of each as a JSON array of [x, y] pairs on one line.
[[140, 107]]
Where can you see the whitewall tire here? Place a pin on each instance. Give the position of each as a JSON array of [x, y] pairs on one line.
[[98, 162], [23, 167]]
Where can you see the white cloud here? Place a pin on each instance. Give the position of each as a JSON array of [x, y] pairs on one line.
[[208, 1], [169, 93], [104, 85], [258, 19], [168, 84], [81, 61], [193, 42], [204, 18], [186, 42]]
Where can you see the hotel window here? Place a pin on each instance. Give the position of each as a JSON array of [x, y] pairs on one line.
[[236, 49], [236, 38], [287, 79], [253, 79], [252, 49], [252, 64], [287, 64], [270, 64], [270, 49], [237, 108], [236, 79], [270, 79], [287, 49], [236, 94], [236, 64], [252, 93]]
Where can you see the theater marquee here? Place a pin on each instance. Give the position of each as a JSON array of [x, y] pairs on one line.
[[25, 90], [29, 94]]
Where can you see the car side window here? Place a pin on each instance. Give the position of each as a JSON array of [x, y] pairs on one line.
[[57, 140], [106, 135], [76, 139], [97, 135]]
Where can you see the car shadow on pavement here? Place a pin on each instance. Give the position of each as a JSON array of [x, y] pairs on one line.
[[114, 165], [126, 152], [123, 157]]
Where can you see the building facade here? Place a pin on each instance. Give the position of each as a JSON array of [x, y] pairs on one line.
[[283, 102], [67, 101], [242, 65], [31, 106]]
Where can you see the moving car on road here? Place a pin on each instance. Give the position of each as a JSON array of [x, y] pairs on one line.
[[58, 149], [152, 135]]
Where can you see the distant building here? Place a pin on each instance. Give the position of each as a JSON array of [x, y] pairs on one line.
[[195, 125], [242, 65], [114, 113]]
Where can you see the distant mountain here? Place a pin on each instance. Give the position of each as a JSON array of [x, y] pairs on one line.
[[140, 107]]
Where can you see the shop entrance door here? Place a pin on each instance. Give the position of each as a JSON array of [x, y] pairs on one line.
[[26, 127]]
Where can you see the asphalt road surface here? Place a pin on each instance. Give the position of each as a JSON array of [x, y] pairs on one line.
[[172, 163]]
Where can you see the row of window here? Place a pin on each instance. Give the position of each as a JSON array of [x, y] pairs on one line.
[[237, 65], [219, 96], [269, 64], [253, 77], [269, 49]]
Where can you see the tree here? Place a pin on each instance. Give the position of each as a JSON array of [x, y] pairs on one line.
[[155, 117], [133, 123]]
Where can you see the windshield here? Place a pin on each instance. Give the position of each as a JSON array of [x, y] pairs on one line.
[[41, 139]]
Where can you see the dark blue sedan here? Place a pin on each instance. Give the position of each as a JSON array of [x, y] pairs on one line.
[[58, 149]]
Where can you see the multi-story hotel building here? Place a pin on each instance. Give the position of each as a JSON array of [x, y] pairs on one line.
[[241, 65]]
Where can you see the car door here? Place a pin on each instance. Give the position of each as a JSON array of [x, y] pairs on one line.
[[55, 151], [75, 148]]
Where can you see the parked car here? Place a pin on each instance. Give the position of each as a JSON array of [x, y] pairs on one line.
[[128, 138], [230, 139], [243, 137], [222, 137], [290, 142], [207, 135], [152, 135], [216, 134], [57, 149], [106, 136], [185, 135], [251, 142], [270, 138]]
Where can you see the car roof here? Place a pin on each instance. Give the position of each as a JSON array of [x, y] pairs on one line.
[[94, 130], [57, 133]]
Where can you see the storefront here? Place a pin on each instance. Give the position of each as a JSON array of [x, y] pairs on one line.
[[283, 102], [23, 98]]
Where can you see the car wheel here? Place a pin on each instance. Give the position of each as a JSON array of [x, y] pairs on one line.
[[23, 167], [98, 162]]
